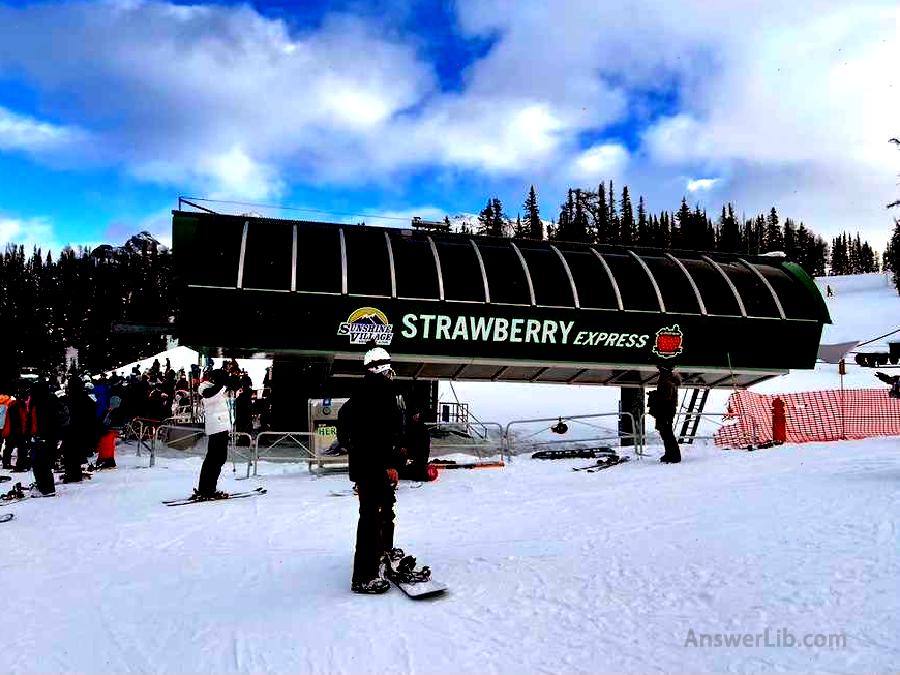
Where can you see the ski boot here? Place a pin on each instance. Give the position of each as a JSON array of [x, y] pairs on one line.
[[372, 587]]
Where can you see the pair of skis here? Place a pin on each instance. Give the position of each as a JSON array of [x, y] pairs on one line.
[[234, 495], [601, 464]]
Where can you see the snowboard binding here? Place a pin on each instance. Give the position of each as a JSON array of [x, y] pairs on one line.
[[406, 572], [17, 493]]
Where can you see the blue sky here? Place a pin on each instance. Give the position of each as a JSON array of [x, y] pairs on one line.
[[110, 110]]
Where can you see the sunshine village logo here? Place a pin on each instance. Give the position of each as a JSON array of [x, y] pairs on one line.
[[365, 324], [669, 341]]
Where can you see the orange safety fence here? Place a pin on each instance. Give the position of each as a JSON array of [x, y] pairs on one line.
[[811, 416]]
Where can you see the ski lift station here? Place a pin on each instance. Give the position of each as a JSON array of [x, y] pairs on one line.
[[313, 295]]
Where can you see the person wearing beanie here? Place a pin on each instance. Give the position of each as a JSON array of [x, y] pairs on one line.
[[375, 426]]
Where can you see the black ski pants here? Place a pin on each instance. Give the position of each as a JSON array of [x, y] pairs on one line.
[[73, 457], [43, 456], [375, 529], [216, 456], [672, 450]]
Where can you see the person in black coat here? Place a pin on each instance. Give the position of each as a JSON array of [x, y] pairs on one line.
[[375, 428], [417, 443], [663, 406], [81, 434]]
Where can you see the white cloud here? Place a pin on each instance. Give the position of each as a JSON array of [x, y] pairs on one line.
[[794, 103], [30, 233], [702, 184], [20, 132], [601, 162]]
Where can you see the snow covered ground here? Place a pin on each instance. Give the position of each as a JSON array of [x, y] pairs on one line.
[[636, 568], [550, 570]]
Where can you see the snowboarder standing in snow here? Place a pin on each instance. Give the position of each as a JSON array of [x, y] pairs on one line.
[[662, 405], [375, 427], [81, 435], [217, 416]]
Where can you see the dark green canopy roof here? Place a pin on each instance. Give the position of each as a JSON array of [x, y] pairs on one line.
[[477, 308]]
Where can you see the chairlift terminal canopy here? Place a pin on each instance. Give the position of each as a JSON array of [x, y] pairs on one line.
[[454, 306]]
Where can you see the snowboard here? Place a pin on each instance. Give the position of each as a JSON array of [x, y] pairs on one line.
[[6, 517], [5, 479], [234, 495], [602, 464], [415, 583]]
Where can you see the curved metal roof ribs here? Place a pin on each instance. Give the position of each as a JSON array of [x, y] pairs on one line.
[[612, 278], [243, 255], [568, 274], [527, 273], [734, 290], [659, 297], [343, 261], [691, 281], [437, 266], [294, 261], [767, 284], [390, 252], [487, 290]]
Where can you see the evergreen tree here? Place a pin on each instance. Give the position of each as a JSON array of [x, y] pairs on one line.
[[520, 231], [533, 224], [601, 217], [790, 239], [644, 237], [729, 231], [614, 236], [774, 235], [627, 231], [892, 255], [681, 236]]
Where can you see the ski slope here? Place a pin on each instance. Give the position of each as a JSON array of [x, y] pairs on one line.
[[550, 570]]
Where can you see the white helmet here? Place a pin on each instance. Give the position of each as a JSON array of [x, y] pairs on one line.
[[377, 360]]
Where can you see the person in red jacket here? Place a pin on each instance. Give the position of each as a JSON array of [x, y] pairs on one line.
[[779, 422]]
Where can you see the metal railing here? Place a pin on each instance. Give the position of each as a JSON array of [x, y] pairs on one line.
[[291, 446], [483, 442], [716, 420], [515, 444]]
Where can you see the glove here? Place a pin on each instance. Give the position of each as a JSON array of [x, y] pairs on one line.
[[392, 475]]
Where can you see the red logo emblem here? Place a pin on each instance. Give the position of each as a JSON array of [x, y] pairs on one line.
[[669, 342]]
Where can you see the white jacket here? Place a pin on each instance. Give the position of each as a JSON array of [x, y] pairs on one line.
[[216, 409]]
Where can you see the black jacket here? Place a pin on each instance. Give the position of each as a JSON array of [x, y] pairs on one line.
[[665, 402], [375, 427]]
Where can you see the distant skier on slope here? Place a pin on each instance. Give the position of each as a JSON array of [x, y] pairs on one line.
[[375, 427]]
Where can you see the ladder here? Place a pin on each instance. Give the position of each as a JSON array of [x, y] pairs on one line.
[[691, 412]]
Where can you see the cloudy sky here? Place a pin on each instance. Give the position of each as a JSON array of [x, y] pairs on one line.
[[110, 110]]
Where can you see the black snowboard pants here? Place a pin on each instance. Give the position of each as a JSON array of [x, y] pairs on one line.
[[73, 456], [43, 456], [216, 456], [672, 450], [375, 529]]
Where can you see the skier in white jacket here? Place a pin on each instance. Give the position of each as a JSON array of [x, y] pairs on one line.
[[217, 413]]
